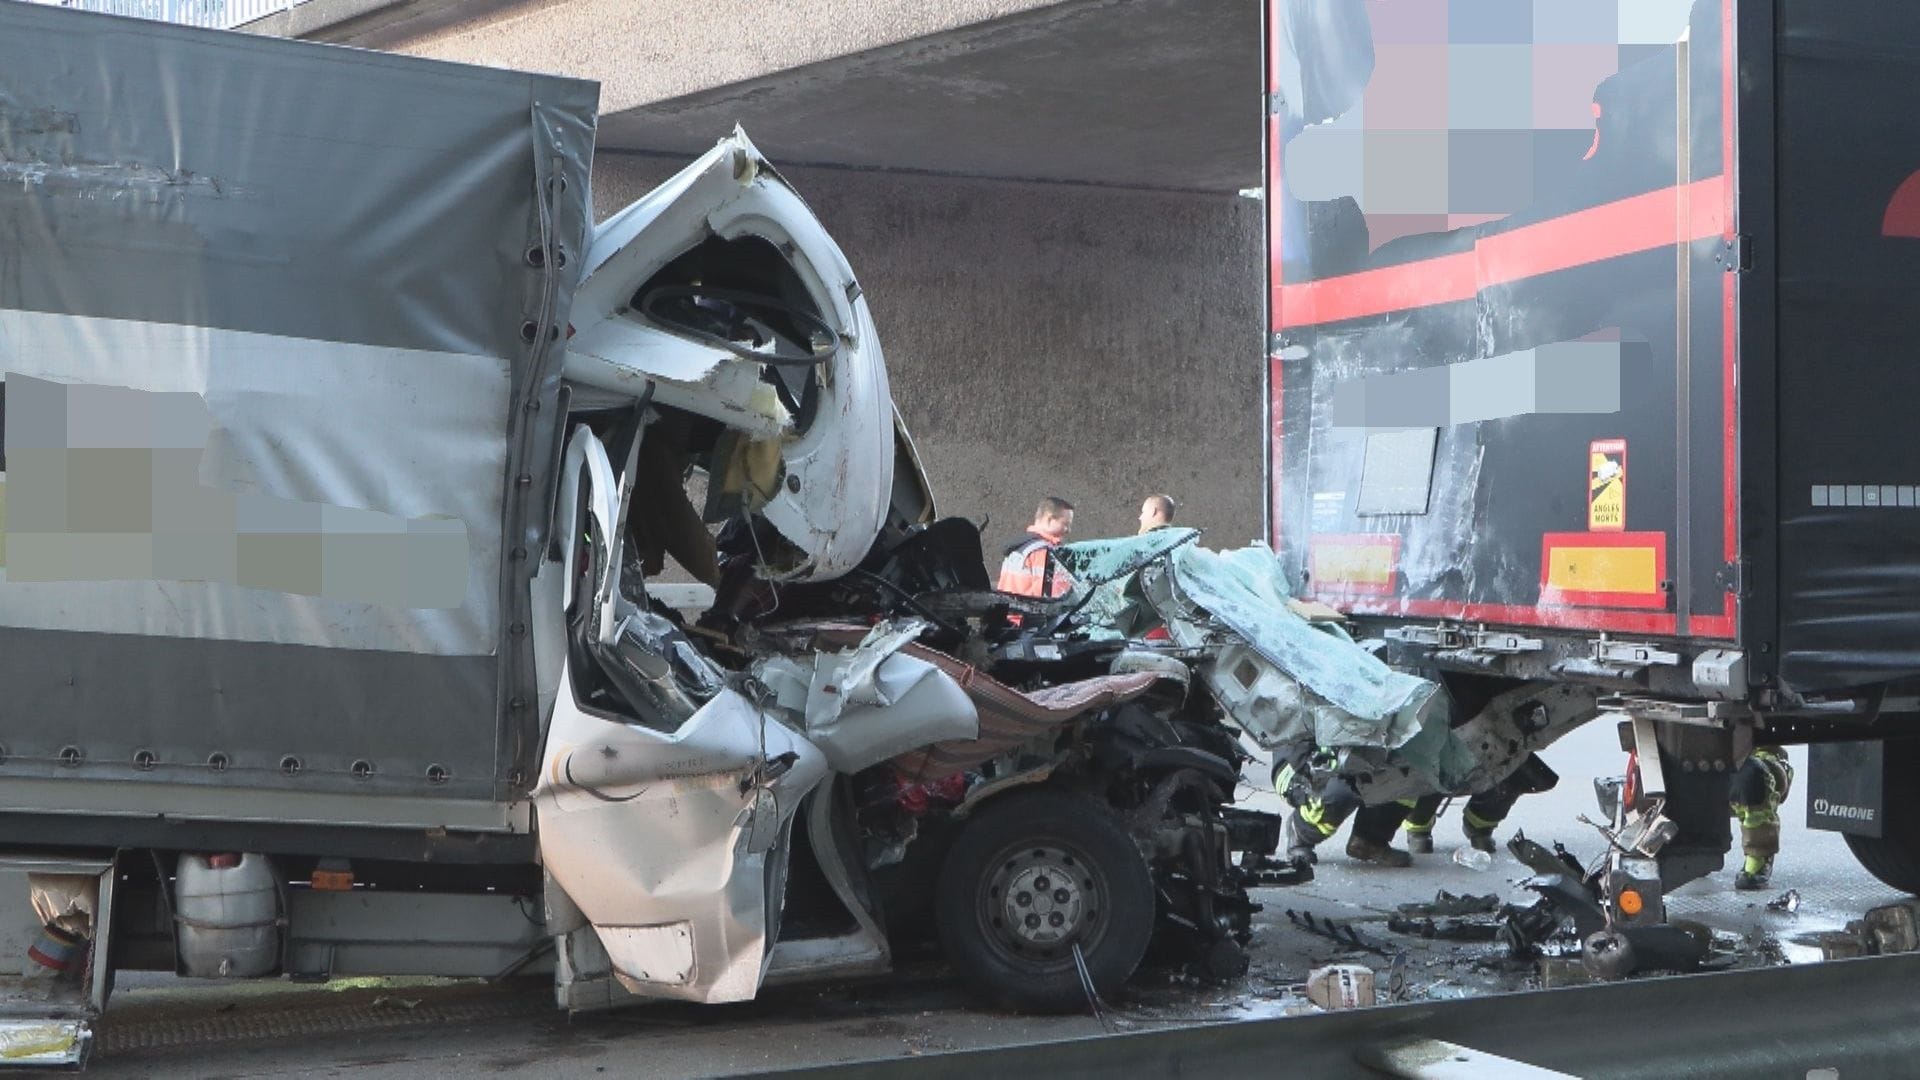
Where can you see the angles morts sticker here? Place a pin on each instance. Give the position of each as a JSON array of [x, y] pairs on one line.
[[1607, 486]]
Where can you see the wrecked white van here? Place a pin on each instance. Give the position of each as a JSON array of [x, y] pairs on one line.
[[341, 452]]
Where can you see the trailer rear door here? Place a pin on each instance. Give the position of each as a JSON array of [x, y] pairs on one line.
[[1502, 315]]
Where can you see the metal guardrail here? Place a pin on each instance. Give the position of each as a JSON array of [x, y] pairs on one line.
[[1849, 1019], [210, 14]]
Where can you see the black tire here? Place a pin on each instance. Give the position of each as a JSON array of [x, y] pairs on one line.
[[1893, 860], [1015, 847], [1894, 856]]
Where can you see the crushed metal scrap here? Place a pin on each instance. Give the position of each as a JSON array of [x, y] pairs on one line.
[[1108, 720]]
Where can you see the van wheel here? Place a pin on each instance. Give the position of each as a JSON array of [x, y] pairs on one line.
[[1032, 875]]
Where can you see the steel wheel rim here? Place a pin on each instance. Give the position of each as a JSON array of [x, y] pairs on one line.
[[1040, 900]]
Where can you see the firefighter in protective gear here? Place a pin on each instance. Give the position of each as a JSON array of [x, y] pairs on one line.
[[1319, 810], [1483, 813], [1030, 567], [1478, 819], [1759, 787]]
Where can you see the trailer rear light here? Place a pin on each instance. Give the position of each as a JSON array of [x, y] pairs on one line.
[[1630, 903]]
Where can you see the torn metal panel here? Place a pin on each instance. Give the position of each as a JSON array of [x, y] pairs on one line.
[[1010, 718], [1247, 591], [837, 454], [870, 703], [863, 950], [652, 835], [1486, 748]]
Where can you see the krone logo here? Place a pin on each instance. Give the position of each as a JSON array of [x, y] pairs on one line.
[[1825, 808]]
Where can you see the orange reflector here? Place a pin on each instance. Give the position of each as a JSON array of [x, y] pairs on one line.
[[1630, 902], [1603, 570], [329, 879], [1362, 563]]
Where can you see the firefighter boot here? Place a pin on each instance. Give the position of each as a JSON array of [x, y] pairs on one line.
[[1360, 849], [1759, 842], [1421, 827], [1372, 838], [1305, 832], [1422, 815], [1478, 830]]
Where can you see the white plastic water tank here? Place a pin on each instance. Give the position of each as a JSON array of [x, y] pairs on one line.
[[228, 915]]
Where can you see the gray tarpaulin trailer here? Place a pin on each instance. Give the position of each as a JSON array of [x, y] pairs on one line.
[[340, 445], [318, 276], [250, 289]]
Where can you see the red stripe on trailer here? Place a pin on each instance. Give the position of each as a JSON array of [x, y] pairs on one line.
[[1726, 625], [1658, 624], [1720, 627], [1625, 227], [1277, 415]]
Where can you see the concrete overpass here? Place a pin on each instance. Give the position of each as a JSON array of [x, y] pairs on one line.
[[1040, 196]]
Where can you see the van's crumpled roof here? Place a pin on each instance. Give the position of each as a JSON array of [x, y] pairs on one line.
[[1372, 706]]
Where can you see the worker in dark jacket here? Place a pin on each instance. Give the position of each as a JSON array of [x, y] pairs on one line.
[[1030, 567]]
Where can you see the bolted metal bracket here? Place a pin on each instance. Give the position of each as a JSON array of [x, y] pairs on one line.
[[1736, 255]]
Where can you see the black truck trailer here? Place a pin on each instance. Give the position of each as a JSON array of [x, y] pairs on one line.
[[1591, 360]]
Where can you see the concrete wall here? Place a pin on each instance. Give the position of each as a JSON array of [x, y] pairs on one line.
[[642, 51], [1093, 343]]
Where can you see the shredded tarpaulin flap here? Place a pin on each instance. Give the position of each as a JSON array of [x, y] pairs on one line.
[[1346, 698], [1109, 606], [1247, 590]]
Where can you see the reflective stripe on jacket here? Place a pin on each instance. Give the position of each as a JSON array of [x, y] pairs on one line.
[[1031, 570]]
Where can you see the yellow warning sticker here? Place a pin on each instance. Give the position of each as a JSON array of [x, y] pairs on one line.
[[1607, 485]]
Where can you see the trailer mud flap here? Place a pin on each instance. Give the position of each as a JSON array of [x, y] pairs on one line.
[[1846, 787]]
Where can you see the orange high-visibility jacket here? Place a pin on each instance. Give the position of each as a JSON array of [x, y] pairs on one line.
[[1031, 570]]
